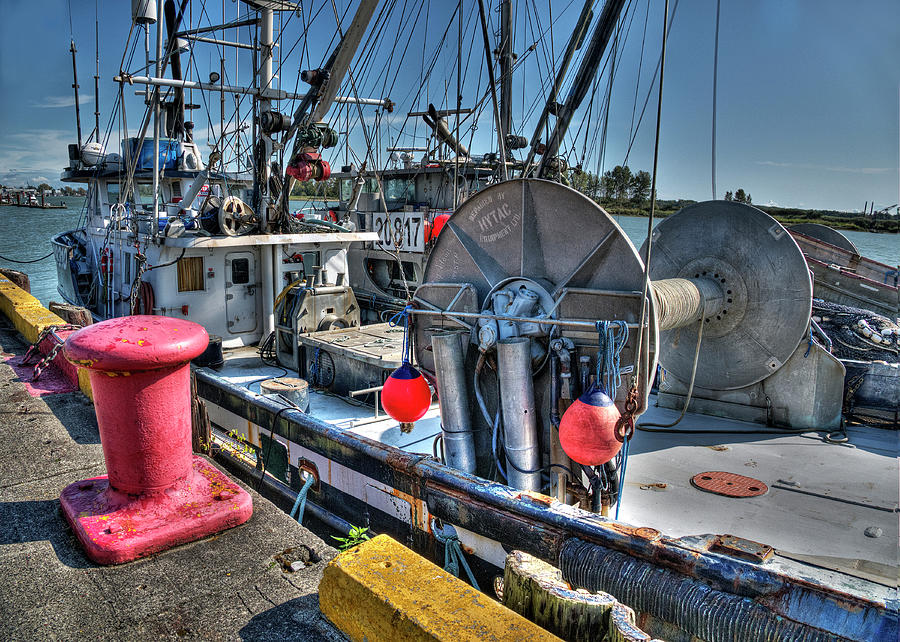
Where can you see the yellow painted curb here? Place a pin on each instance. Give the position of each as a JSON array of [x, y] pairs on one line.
[[381, 590], [31, 318]]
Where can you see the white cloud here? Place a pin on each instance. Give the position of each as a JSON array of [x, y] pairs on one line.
[[52, 102], [32, 153], [827, 168]]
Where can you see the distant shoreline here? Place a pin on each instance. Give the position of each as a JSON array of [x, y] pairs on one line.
[[785, 215]]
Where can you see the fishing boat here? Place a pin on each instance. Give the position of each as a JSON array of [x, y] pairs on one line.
[[537, 322]]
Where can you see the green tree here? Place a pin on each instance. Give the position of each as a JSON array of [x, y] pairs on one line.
[[729, 196], [749, 199], [44, 187], [740, 196], [640, 187], [621, 176], [607, 186], [585, 182]]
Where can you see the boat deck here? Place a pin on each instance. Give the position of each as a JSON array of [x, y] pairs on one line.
[[831, 505]]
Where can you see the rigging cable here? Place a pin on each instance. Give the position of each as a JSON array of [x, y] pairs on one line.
[[650, 89], [714, 92], [644, 318]]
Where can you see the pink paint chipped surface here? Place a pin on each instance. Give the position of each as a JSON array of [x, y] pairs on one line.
[[51, 381], [115, 527]]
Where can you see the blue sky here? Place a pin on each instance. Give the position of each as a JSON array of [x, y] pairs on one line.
[[807, 96]]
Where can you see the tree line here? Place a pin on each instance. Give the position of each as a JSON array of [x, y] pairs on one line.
[[618, 184]]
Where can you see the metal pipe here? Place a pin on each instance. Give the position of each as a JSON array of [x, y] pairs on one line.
[[520, 428], [583, 79], [268, 290], [456, 424], [75, 87], [230, 25], [224, 43], [575, 42], [270, 94], [591, 325], [489, 63], [506, 67], [154, 228]]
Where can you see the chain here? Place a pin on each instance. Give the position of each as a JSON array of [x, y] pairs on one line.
[[136, 284], [625, 424], [49, 331]]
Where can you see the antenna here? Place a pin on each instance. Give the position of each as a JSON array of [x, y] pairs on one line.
[[97, 73]]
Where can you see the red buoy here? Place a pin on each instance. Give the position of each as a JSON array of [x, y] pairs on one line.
[[406, 395], [587, 431]]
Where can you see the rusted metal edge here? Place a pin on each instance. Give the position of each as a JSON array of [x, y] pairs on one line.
[[541, 528]]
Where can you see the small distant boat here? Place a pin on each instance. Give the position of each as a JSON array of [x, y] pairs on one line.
[[842, 275]]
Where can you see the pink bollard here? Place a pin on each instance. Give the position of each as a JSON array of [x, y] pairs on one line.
[[157, 493]]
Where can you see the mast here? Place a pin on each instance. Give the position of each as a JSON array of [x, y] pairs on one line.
[[154, 228], [575, 42], [583, 78], [97, 73], [506, 63], [75, 87], [501, 133]]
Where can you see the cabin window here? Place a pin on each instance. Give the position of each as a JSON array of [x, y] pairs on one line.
[[240, 271], [399, 189], [126, 268], [346, 189], [145, 192], [190, 274], [112, 193]]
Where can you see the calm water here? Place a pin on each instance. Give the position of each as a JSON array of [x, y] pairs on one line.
[[25, 234]]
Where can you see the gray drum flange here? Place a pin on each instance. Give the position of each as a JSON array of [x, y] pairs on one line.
[[548, 233], [766, 288]]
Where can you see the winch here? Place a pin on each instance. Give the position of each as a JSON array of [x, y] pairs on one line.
[[534, 260]]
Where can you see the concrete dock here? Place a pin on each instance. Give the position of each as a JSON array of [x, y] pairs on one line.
[[236, 585]]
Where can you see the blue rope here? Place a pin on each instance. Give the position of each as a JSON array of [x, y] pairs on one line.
[[454, 557], [613, 335], [622, 476], [314, 368], [397, 319], [810, 344], [300, 503]]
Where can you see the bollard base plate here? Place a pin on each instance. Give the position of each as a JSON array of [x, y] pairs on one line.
[[115, 527]]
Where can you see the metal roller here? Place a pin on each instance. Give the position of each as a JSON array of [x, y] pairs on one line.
[[459, 442], [534, 238], [752, 285]]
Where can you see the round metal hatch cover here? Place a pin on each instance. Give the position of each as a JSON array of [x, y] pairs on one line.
[[729, 484]]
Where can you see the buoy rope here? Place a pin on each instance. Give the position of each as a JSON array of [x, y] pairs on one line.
[[613, 335], [454, 557], [402, 317]]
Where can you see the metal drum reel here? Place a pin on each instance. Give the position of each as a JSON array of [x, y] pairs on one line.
[[520, 253], [741, 272]]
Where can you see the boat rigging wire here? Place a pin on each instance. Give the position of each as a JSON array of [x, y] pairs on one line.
[[714, 93], [645, 289], [650, 89]]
